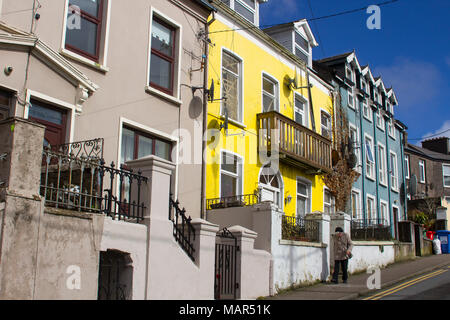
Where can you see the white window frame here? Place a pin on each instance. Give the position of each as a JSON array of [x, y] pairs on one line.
[[363, 81], [443, 174], [351, 98], [407, 169], [370, 176], [104, 42], [384, 216], [245, 5], [348, 67], [331, 205], [391, 129], [240, 121], [305, 112], [359, 213], [330, 129], [357, 147], [394, 174], [296, 46], [382, 165], [176, 95], [239, 175], [275, 96], [381, 123], [365, 107], [422, 170], [374, 215], [308, 197]]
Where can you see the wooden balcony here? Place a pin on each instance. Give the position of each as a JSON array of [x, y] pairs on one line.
[[297, 145]]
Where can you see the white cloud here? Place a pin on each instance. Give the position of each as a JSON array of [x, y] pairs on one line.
[[414, 82], [443, 131]]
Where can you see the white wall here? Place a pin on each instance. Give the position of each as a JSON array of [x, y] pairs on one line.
[[368, 254]]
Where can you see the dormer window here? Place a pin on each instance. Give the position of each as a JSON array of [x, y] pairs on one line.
[[301, 47], [246, 8], [375, 96], [349, 73], [363, 85]]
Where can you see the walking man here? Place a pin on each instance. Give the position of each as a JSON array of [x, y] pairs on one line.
[[342, 252]]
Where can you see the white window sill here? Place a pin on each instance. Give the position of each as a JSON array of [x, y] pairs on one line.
[[234, 122], [383, 184], [367, 118], [395, 190], [163, 95], [381, 128], [86, 61], [370, 178]]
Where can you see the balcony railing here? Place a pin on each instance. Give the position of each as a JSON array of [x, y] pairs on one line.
[[293, 141], [233, 201], [299, 229], [370, 230], [86, 184]]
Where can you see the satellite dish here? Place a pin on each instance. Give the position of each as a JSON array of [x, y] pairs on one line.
[[413, 185]]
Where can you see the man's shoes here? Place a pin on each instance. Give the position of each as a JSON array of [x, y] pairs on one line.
[[344, 281], [334, 281]]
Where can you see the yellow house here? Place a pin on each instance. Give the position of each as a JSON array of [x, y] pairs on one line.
[[266, 98]]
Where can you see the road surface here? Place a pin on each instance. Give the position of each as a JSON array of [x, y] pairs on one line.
[[434, 285]]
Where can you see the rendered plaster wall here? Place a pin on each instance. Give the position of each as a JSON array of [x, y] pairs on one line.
[[367, 254]]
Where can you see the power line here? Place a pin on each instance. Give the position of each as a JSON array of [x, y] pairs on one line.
[[432, 136], [317, 29], [312, 19]]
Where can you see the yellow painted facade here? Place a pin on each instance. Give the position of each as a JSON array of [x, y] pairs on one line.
[[257, 58]]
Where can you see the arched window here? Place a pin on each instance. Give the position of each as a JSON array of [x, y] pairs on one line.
[[270, 184]]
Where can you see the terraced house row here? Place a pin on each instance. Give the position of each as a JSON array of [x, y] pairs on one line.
[[173, 149]]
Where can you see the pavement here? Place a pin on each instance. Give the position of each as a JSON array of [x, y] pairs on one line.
[[356, 285]]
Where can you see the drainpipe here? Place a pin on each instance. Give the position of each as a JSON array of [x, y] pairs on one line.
[[205, 121], [402, 152], [388, 166], [375, 148], [363, 164]]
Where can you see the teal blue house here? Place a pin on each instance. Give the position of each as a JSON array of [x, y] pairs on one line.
[[378, 196]]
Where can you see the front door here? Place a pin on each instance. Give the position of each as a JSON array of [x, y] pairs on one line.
[[395, 214], [54, 120]]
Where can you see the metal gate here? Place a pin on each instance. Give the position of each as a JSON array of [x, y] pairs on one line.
[[225, 283], [113, 275]]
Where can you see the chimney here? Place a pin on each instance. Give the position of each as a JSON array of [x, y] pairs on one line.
[[440, 145]]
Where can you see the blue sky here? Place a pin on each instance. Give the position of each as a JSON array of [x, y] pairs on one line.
[[411, 51]]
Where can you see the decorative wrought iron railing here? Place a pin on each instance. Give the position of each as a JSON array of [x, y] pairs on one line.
[[90, 149], [233, 201], [299, 229], [370, 230], [183, 231], [79, 183]]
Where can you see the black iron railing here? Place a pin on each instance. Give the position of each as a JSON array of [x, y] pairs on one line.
[[299, 229], [89, 149], [183, 231], [86, 184], [233, 201], [370, 230]]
